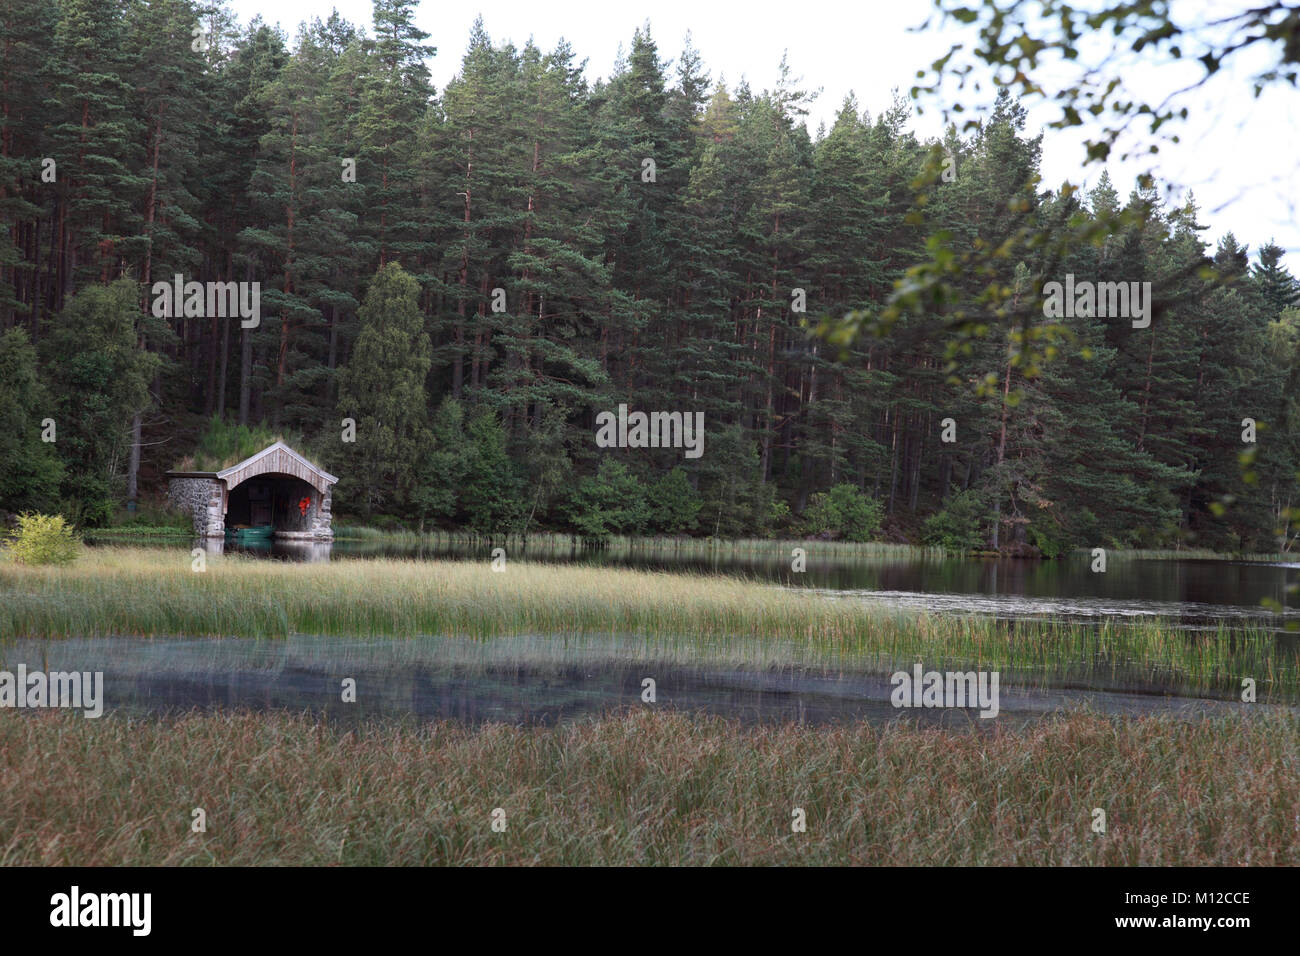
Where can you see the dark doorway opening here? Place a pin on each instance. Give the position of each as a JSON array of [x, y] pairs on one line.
[[282, 502]]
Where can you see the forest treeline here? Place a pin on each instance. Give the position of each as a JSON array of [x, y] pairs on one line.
[[471, 275]]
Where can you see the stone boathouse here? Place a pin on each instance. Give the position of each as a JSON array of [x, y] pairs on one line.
[[276, 487]]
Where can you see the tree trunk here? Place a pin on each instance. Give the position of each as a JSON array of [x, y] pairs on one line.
[[245, 365], [133, 460]]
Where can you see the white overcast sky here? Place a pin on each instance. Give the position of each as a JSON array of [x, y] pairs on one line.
[[1240, 155]]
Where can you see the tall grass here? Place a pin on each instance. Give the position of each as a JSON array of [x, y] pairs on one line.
[[541, 542], [132, 531], [709, 547], [647, 788], [127, 591], [1159, 554]]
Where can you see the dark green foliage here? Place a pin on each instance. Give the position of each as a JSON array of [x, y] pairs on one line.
[[959, 524], [30, 470], [1277, 287], [501, 269], [443, 470], [674, 505], [492, 497], [382, 392], [611, 502], [223, 444], [844, 512], [103, 374]]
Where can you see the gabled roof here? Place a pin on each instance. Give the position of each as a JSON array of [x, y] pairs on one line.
[[277, 459]]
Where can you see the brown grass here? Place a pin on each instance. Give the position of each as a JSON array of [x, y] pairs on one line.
[[646, 789]]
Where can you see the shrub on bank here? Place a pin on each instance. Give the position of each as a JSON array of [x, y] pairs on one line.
[[959, 524], [846, 512], [673, 505], [44, 539]]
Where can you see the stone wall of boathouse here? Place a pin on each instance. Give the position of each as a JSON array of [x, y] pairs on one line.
[[202, 499]]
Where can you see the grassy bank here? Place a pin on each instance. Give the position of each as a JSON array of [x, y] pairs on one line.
[[117, 591], [132, 531], [646, 789]]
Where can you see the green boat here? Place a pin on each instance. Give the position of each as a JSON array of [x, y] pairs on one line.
[[245, 533]]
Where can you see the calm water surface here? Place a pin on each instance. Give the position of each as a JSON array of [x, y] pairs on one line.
[[528, 680]]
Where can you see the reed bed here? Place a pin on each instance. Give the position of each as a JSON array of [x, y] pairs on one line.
[[1157, 554], [551, 542], [151, 592], [619, 545], [645, 788]]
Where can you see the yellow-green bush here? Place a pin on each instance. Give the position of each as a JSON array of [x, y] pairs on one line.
[[44, 539]]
